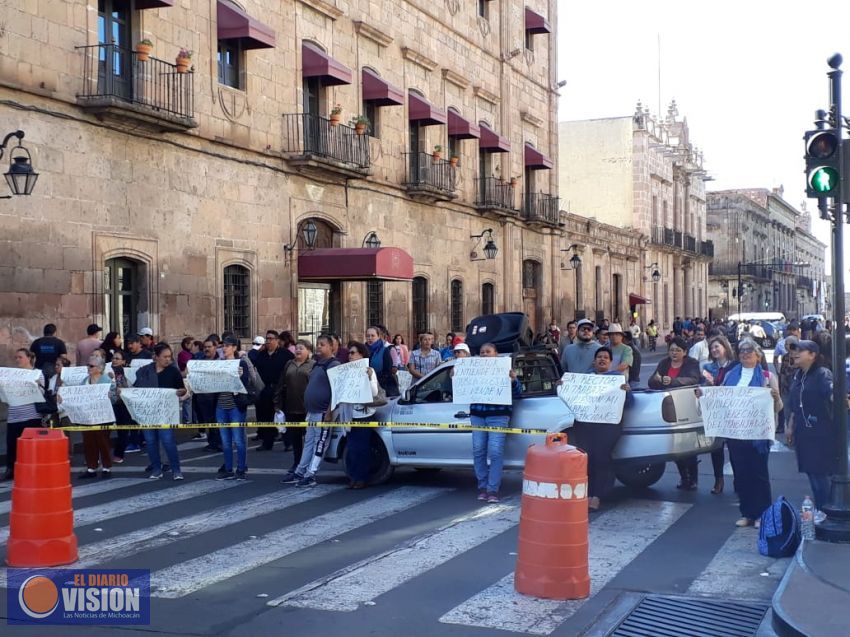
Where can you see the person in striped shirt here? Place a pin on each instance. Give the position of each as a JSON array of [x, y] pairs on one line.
[[425, 359]]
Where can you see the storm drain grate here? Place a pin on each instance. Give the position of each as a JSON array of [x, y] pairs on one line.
[[657, 616]]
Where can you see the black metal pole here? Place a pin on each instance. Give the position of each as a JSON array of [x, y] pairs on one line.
[[836, 526]]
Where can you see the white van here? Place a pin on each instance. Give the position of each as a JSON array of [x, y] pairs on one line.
[[773, 317]]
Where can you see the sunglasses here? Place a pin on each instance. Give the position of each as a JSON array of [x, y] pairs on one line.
[[93, 366], [746, 351], [586, 327]]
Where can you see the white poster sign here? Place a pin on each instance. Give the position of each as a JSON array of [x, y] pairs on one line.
[[742, 413], [594, 397], [405, 380], [129, 372], [20, 386], [74, 375], [140, 362], [87, 404], [350, 383], [212, 377], [152, 406], [482, 380]]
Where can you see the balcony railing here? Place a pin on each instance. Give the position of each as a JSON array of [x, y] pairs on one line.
[[425, 173], [316, 137], [706, 248], [805, 282], [717, 268], [677, 239], [113, 75], [540, 207], [494, 193], [690, 243]]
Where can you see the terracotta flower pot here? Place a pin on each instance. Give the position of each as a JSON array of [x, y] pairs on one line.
[[183, 64], [334, 119], [360, 129], [436, 156], [143, 52], [453, 161], [514, 182]]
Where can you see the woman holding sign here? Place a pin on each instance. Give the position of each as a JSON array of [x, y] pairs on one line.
[[358, 454], [720, 360], [21, 416], [381, 360], [96, 443], [233, 408]]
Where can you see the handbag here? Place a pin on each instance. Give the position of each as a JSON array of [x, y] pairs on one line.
[[380, 400]]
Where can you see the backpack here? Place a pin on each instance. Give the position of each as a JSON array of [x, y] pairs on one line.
[[779, 535]]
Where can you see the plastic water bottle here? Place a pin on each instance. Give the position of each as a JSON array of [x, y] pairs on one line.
[[807, 517]]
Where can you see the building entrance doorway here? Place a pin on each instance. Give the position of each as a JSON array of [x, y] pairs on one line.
[[318, 310]]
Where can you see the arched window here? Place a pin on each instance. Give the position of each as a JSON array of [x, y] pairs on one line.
[[237, 300], [457, 306], [324, 237], [122, 291], [420, 304], [488, 298]]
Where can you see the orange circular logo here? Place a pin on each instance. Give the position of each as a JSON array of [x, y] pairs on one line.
[[38, 596]]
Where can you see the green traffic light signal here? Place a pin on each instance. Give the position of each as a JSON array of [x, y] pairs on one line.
[[823, 180], [823, 163]]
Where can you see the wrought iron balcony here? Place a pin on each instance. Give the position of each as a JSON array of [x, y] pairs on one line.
[[429, 178], [315, 143], [805, 282], [495, 195], [677, 239], [119, 85], [538, 207], [706, 248], [690, 243]]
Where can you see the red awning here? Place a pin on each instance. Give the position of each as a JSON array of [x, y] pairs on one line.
[[235, 24], [153, 4], [492, 142], [422, 111], [637, 299], [355, 264], [379, 91], [317, 63], [536, 23], [461, 127], [535, 160]]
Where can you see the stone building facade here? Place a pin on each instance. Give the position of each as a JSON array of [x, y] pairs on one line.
[[644, 174], [230, 197], [783, 267]]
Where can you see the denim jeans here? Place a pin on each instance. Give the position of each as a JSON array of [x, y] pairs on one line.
[[233, 435], [821, 484], [488, 444], [165, 436], [315, 442]]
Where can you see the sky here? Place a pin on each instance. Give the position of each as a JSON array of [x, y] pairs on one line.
[[748, 76]]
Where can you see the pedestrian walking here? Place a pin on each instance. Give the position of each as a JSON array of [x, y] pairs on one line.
[[96, 449], [289, 398], [233, 408], [425, 359], [358, 440], [721, 360], [270, 362], [381, 360], [87, 346], [19, 417]]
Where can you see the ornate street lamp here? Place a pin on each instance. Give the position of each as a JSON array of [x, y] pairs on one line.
[[575, 260], [656, 273], [310, 232], [490, 249], [371, 240], [21, 176]]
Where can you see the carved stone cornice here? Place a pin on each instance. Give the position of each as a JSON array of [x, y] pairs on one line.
[[376, 35], [530, 119], [455, 78], [418, 58], [485, 95]]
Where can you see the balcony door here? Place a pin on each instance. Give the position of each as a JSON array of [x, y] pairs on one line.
[[315, 137], [115, 57], [418, 167]]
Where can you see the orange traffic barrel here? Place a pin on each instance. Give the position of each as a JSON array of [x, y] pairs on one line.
[[41, 522], [552, 553]]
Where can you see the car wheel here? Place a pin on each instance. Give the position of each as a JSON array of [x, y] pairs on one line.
[[640, 476]]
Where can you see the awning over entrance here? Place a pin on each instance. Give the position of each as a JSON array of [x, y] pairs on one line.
[[317, 63], [235, 24], [461, 127], [536, 23], [535, 160], [376, 89], [355, 264], [422, 111], [637, 299], [492, 142]]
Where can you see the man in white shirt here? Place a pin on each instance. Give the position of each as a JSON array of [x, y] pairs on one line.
[[699, 350]]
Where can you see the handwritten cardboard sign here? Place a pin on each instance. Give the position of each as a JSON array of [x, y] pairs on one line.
[[350, 383], [87, 404], [129, 372], [152, 406], [482, 380], [593, 397], [20, 386], [742, 413], [212, 377], [405, 380], [136, 363], [74, 375]]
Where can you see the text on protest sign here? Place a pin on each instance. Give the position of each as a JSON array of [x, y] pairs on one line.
[[20, 386], [136, 363], [350, 383], [594, 397], [87, 404], [129, 373], [212, 377], [405, 380], [741, 413], [74, 375], [482, 380], [152, 406]]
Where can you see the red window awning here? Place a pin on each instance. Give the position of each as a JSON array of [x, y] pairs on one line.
[[535, 160], [461, 127], [355, 264], [235, 24], [637, 299], [422, 111], [536, 23], [153, 4], [378, 91], [492, 142], [317, 63]]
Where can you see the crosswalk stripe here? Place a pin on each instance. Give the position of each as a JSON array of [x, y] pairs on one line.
[[350, 587], [143, 502], [79, 491], [182, 579], [617, 537], [210, 471], [738, 571]]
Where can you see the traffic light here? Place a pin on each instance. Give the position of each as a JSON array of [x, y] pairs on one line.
[[823, 164]]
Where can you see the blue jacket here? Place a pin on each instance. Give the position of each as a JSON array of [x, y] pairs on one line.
[[317, 396]]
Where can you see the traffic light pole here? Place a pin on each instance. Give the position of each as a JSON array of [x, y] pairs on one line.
[[836, 526]]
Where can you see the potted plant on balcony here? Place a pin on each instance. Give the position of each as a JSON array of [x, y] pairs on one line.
[[454, 160], [143, 50], [438, 153], [336, 114], [183, 61], [360, 124], [514, 181]]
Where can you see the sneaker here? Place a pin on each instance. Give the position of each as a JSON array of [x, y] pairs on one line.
[[492, 498], [155, 475], [88, 474], [224, 474], [177, 476], [482, 496], [240, 475], [291, 478], [132, 449], [744, 522], [117, 460], [105, 474], [199, 436], [306, 482]]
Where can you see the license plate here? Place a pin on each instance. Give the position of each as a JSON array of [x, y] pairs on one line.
[[704, 441]]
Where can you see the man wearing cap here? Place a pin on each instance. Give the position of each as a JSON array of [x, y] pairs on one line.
[[603, 336], [133, 343], [86, 346], [461, 350], [578, 357], [146, 337], [781, 348], [256, 346], [622, 356]]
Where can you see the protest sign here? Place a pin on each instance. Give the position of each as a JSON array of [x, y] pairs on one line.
[[20, 386], [152, 406], [482, 380], [212, 377], [350, 383], [74, 375], [87, 404], [129, 372], [405, 380], [140, 362], [594, 397], [742, 413]]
